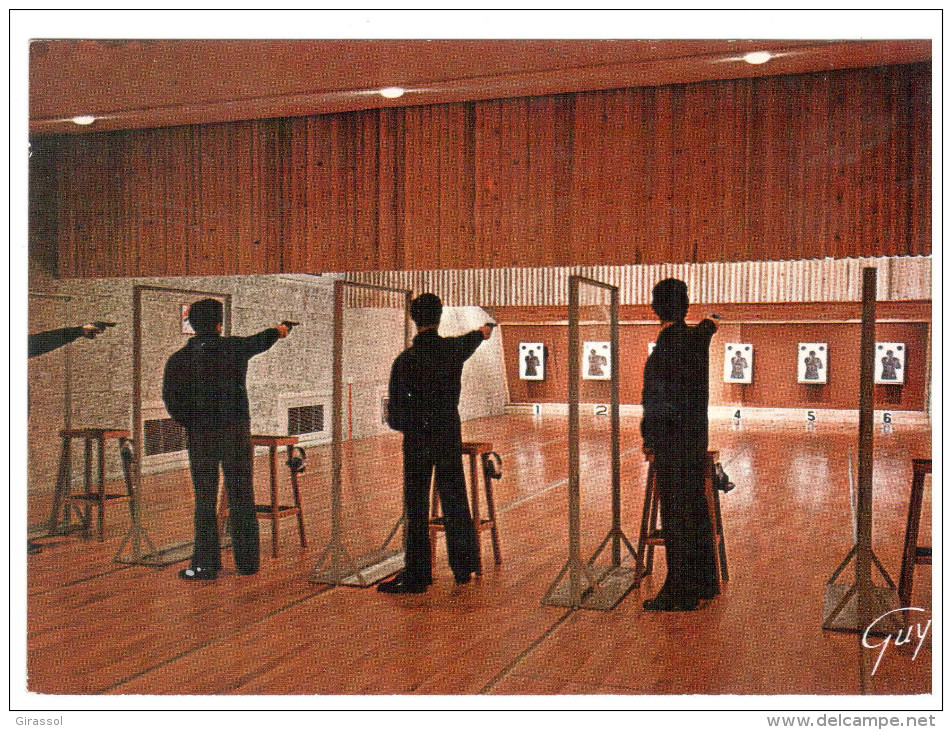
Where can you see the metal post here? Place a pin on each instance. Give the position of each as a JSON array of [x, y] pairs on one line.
[[616, 434], [574, 480], [855, 608]]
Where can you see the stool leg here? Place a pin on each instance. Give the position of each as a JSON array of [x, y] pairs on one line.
[[61, 492], [101, 502], [222, 513], [719, 527], [711, 499], [273, 453], [653, 525], [912, 539], [491, 508], [644, 567], [434, 514], [477, 522], [300, 510], [88, 481]]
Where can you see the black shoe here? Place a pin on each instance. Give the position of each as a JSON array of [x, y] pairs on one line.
[[399, 584], [198, 574], [462, 579], [667, 603]]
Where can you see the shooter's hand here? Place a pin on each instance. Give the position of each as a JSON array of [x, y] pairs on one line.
[[95, 328], [487, 329]]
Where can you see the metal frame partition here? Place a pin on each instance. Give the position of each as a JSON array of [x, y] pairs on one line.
[[137, 538], [585, 584], [67, 392], [335, 565]]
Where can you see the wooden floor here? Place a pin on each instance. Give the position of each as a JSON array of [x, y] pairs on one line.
[[100, 627]]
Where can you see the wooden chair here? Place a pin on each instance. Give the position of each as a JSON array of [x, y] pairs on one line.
[[479, 454]]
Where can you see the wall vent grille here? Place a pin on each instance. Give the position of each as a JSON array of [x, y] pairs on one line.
[[305, 419]]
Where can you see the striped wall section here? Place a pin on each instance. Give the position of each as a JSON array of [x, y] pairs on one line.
[[816, 280]]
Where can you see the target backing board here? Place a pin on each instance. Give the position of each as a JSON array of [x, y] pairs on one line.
[[597, 361], [890, 363], [531, 361], [738, 362], [812, 362]]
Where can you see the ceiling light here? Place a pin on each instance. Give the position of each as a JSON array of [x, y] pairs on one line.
[[391, 92], [758, 57], [83, 121]]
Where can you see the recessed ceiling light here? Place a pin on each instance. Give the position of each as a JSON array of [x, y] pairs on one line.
[[83, 120], [758, 57], [392, 92]]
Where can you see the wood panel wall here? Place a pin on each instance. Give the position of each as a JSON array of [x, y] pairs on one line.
[[790, 167]]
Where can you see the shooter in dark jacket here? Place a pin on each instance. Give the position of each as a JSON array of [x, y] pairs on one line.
[[425, 384], [204, 390], [674, 431]]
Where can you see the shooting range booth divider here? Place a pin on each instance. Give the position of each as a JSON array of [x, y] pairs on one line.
[[858, 608], [336, 566], [141, 549], [65, 320], [586, 584]]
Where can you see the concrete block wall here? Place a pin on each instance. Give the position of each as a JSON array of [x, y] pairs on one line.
[[89, 383]]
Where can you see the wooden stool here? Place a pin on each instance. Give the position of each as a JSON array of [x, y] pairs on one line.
[[275, 511], [652, 535], [913, 554], [472, 449], [62, 497]]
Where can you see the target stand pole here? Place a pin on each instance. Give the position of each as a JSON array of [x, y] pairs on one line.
[[858, 608]]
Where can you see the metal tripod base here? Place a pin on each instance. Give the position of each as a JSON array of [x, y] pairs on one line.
[[843, 610], [158, 558], [169, 555], [610, 584], [363, 572]]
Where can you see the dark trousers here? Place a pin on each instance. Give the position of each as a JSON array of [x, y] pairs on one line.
[[230, 448], [686, 521], [422, 457]]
